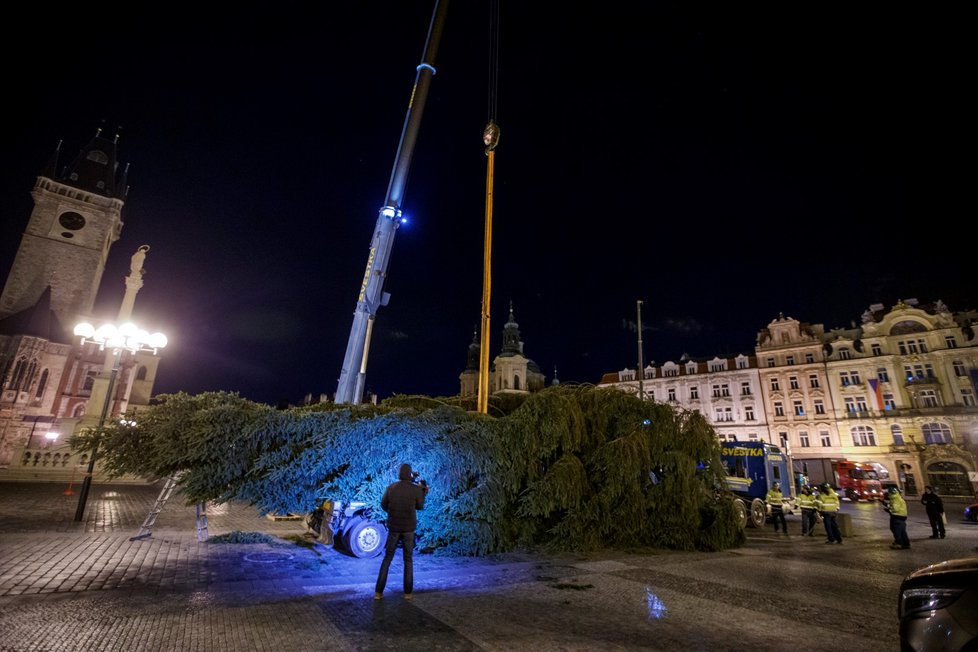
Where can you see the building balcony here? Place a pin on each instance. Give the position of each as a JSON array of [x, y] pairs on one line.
[[922, 381], [905, 448]]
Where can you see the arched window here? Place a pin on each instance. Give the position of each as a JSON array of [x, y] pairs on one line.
[[950, 479], [79, 410], [141, 373], [516, 381], [29, 376], [936, 433], [863, 436], [89, 382], [18, 376], [42, 384], [897, 433]]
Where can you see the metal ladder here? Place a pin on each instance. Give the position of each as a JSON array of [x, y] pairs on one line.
[[146, 530]]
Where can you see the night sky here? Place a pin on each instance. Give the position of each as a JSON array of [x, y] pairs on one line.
[[722, 163]]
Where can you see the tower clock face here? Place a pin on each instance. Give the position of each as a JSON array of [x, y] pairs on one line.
[[72, 221]]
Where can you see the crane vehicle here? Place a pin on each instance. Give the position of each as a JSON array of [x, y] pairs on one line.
[[372, 296]]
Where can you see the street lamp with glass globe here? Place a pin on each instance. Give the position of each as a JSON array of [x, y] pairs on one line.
[[117, 340]]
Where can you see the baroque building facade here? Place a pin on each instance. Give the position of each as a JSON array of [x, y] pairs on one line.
[[900, 390], [48, 379], [726, 390]]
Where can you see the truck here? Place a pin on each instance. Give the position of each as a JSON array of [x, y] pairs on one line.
[[751, 469], [858, 480]]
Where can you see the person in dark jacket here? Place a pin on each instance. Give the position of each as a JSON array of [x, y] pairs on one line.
[[935, 511], [401, 501]]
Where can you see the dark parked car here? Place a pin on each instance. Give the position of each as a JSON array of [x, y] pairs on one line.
[[938, 607], [971, 512]]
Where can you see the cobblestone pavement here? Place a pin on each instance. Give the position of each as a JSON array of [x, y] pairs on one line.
[[67, 585]]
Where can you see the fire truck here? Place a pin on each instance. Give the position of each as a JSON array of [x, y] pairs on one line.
[[858, 480]]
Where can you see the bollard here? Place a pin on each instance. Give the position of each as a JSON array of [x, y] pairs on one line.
[[845, 524]]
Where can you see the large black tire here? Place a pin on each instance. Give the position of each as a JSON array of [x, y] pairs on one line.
[[758, 513], [364, 538], [740, 509]]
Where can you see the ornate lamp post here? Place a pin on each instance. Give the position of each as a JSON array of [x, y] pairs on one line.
[[116, 340]]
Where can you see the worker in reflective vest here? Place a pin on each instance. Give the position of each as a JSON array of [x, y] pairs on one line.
[[806, 502], [828, 505], [775, 503]]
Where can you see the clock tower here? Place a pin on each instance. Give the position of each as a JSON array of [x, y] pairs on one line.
[[77, 216]]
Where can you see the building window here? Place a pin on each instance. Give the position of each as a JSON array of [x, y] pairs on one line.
[[927, 398], [809, 357], [691, 368], [819, 406], [745, 388], [912, 347], [844, 378], [89, 381], [749, 413], [883, 375], [718, 366], [694, 393], [790, 360], [959, 368], [741, 363], [778, 409], [888, 402], [770, 362], [775, 385], [716, 391], [803, 439], [725, 390], [936, 433], [950, 342], [724, 415], [918, 371], [967, 397], [44, 382], [672, 373], [793, 382], [861, 404], [856, 379], [863, 436], [825, 438], [876, 349], [672, 395], [844, 354], [752, 436], [798, 408], [897, 433], [813, 381]]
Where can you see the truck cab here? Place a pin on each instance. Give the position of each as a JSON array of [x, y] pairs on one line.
[[752, 468], [858, 480]]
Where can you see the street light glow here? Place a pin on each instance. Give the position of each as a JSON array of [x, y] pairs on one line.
[[126, 337]]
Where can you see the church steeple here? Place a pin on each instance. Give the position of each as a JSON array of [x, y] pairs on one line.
[[511, 336], [77, 216], [472, 360], [95, 167]]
